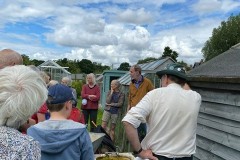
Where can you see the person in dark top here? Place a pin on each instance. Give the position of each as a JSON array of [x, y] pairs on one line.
[[114, 101]]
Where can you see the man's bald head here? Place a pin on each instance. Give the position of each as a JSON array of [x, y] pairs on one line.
[[10, 57]]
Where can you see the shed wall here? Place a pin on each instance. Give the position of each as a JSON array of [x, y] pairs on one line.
[[218, 130]]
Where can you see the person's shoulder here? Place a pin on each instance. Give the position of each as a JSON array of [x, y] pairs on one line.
[[196, 93], [16, 141], [147, 80], [61, 124], [156, 90], [74, 125], [73, 89], [15, 135]]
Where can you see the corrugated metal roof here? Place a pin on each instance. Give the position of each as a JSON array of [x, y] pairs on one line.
[[125, 79]]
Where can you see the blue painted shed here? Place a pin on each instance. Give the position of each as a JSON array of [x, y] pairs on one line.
[[108, 76]]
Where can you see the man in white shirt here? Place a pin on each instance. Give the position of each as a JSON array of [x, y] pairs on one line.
[[171, 115]]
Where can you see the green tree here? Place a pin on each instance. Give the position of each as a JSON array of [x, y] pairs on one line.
[[99, 68], [146, 60], [62, 62], [185, 65], [36, 62], [125, 66], [168, 52], [86, 66], [26, 59], [223, 37], [72, 65], [77, 84]]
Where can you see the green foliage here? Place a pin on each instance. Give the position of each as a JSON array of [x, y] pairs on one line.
[[146, 60], [124, 66], [86, 66], [75, 66], [168, 52], [28, 61], [77, 84], [36, 62], [99, 68], [185, 65], [99, 116], [223, 37]]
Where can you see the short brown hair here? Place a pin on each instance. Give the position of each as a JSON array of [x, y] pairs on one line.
[[54, 107], [177, 80], [137, 68]]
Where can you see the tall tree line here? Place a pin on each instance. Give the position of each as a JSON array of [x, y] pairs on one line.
[[223, 38], [75, 66]]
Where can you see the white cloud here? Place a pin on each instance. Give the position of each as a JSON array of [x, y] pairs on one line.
[[206, 6], [139, 16], [137, 39], [70, 38], [24, 11], [187, 40], [228, 5], [120, 31]]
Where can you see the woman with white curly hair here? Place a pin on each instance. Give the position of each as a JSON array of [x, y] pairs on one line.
[[22, 92]]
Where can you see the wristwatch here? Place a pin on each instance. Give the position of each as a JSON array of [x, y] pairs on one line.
[[137, 152]]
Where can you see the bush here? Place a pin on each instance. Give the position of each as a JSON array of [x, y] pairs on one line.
[[77, 84]]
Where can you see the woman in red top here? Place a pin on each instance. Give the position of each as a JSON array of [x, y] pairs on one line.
[[91, 93], [76, 115]]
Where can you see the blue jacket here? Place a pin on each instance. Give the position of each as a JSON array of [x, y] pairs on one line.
[[62, 139]]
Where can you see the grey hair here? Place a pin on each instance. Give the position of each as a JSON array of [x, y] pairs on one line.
[[22, 92], [44, 76], [67, 80], [93, 78], [34, 68], [52, 83], [117, 83]]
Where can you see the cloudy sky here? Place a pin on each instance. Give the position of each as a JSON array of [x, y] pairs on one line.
[[111, 32]]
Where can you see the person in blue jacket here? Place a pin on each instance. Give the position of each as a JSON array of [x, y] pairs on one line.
[[59, 137]]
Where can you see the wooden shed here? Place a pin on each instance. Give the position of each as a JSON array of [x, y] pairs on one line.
[[218, 130]]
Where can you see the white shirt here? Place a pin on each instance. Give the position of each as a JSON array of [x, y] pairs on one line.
[[171, 116]]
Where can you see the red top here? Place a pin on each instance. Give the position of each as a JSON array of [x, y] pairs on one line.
[[86, 91], [43, 109], [77, 116]]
